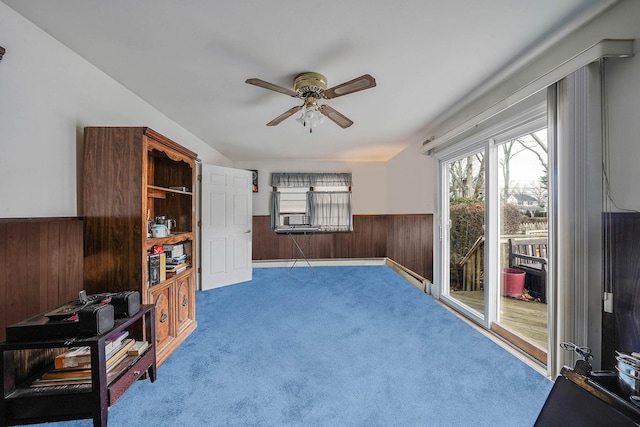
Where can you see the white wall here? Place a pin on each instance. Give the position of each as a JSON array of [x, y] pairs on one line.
[[48, 94], [369, 182], [411, 182]]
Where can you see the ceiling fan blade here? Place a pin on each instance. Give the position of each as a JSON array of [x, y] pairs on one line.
[[338, 118], [355, 85], [271, 86], [290, 112]]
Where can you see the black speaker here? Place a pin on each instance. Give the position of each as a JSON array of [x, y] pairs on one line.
[[95, 319], [125, 303]]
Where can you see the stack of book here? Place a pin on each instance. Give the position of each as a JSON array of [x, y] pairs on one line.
[[157, 261], [74, 365], [176, 260]]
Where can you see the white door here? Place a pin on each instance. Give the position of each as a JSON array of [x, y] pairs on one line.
[[226, 226]]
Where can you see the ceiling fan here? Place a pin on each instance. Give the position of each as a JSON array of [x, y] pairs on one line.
[[312, 87]]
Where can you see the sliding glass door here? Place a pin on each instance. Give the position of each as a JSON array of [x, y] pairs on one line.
[[523, 239], [493, 211], [466, 212]]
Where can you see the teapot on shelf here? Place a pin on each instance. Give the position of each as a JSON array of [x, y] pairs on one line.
[[159, 230], [162, 227]]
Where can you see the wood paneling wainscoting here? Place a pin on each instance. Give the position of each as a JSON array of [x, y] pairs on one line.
[[406, 239], [40, 266]]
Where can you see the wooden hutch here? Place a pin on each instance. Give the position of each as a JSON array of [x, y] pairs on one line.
[[130, 176]]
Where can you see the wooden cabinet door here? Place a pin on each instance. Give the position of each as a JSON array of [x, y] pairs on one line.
[[162, 298], [186, 303]]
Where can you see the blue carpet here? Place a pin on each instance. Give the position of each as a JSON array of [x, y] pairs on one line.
[[338, 346]]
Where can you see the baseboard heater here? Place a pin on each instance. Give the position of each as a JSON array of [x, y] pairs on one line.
[[414, 278]]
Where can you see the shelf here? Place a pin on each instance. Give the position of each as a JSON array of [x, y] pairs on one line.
[[170, 240], [161, 192], [29, 405], [113, 379], [171, 277]]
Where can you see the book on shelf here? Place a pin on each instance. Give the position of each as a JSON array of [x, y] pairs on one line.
[[81, 356], [60, 374], [118, 352], [82, 373], [163, 266], [74, 357], [66, 376], [174, 251], [178, 268], [176, 260], [138, 348], [154, 268], [114, 341]]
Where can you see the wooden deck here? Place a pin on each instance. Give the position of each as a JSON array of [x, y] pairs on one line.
[[526, 318]]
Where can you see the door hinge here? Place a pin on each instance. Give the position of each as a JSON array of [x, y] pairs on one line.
[[199, 177]]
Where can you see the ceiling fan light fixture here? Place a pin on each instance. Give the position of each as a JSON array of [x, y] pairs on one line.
[[311, 115]]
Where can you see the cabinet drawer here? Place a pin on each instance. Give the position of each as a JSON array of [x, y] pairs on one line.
[[134, 373]]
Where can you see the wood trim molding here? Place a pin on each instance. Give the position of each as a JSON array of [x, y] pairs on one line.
[[2, 51], [532, 350]]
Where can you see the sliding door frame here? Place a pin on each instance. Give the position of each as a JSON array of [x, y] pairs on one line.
[[524, 120]]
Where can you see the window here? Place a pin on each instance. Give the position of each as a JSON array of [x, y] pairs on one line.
[[293, 201], [318, 200]]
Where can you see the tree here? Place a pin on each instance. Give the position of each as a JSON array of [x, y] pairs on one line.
[[538, 146], [507, 155], [532, 142], [467, 178], [539, 192]]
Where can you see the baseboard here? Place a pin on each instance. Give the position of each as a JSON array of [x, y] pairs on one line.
[[328, 262]]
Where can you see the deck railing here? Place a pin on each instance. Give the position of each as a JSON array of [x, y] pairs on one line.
[[472, 264]]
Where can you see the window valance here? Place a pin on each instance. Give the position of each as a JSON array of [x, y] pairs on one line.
[[311, 179]]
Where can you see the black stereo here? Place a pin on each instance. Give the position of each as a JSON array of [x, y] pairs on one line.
[[89, 315]]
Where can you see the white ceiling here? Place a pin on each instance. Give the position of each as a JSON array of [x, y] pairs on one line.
[[190, 59]]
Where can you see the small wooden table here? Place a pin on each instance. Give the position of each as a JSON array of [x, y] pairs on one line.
[[22, 404]]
